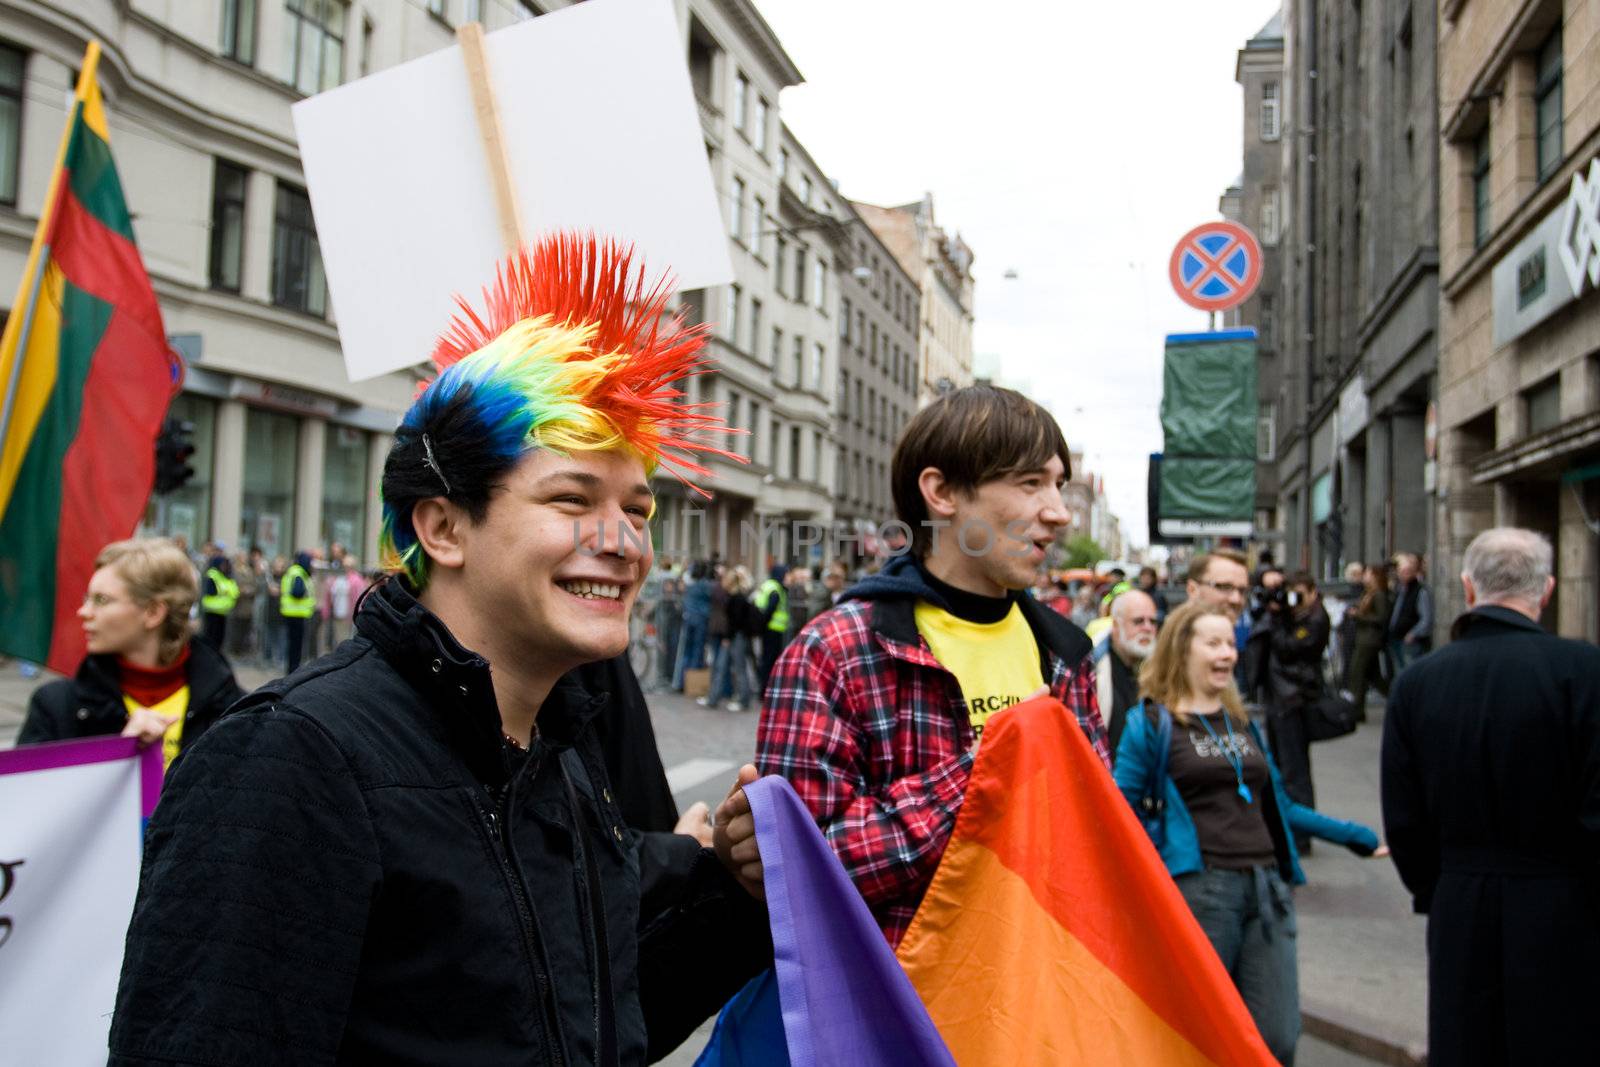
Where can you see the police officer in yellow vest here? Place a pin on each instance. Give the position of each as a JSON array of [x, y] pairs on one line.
[[218, 595], [297, 601], [772, 604]]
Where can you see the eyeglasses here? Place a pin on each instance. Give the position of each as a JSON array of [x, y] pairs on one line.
[[100, 600], [1227, 588]]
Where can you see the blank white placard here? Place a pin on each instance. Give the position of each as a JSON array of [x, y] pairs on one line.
[[602, 133]]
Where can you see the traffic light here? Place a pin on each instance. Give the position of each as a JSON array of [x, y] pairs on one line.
[[173, 449]]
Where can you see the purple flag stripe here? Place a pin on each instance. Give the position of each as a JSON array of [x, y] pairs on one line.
[[845, 997], [56, 754]]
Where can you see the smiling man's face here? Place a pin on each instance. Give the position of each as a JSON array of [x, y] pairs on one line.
[[562, 551], [1004, 527]]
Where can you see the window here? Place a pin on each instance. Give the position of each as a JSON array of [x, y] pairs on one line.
[[1269, 111], [758, 220], [1267, 432], [734, 401], [1270, 207], [747, 446], [436, 7], [783, 163], [872, 348], [471, 10], [800, 275], [777, 345], [861, 329], [794, 452], [844, 319], [344, 487], [805, 189], [227, 225], [314, 43], [856, 410], [11, 64], [774, 445], [844, 390], [266, 504], [819, 283], [741, 102], [816, 455], [1480, 189], [367, 30], [1547, 105], [239, 30], [736, 219], [780, 265], [819, 356], [297, 280], [1544, 405], [872, 411], [755, 326], [730, 315], [799, 360], [758, 135], [1269, 321]]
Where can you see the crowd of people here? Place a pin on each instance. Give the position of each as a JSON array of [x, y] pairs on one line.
[[432, 844]]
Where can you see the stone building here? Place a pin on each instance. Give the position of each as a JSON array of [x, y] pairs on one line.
[[1356, 311], [878, 317], [1256, 201], [289, 453], [1519, 249], [942, 264]]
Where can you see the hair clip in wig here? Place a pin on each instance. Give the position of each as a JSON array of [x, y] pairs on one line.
[[433, 464]]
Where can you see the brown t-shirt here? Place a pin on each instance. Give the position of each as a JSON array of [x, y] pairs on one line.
[[1232, 832]]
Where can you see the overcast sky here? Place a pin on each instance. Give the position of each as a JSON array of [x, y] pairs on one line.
[[1073, 143]]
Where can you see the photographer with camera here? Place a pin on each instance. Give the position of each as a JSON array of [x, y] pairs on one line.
[[1297, 634]]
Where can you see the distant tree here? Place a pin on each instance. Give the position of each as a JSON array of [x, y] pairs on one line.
[[1084, 551]]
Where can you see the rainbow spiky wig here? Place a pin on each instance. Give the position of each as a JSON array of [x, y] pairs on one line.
[[573, 353]]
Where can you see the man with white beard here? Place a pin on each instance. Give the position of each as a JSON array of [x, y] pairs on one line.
[[1117, 660]]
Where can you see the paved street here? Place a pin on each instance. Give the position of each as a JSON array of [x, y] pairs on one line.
[[1362, 964]]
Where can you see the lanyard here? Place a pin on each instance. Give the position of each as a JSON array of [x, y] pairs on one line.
[[1230, 752]]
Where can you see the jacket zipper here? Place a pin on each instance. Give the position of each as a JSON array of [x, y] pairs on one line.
[[499, 832]]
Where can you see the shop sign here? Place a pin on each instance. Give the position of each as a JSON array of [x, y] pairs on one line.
[[283, 398], [1553, 265]]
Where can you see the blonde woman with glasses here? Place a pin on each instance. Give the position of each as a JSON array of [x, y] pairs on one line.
[[1200, 777], [146, 675]]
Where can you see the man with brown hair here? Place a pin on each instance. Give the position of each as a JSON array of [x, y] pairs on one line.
[[873, 712], [1220, 578]]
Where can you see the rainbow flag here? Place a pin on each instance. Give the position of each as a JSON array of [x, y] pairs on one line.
[[1052, 932], [86, 375]]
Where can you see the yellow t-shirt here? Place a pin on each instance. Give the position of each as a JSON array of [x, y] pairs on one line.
[[996, 664], [176, 704]]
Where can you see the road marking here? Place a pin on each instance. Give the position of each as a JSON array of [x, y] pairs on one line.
[[691, 773]]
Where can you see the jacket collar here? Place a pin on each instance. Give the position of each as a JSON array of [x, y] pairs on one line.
[[1485, 619], [208, 672], [456, 682], [896, 589]]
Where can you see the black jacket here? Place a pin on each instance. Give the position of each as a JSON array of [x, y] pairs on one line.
[[90, 704], [1294, 657], [1491, 807], [385, 882]]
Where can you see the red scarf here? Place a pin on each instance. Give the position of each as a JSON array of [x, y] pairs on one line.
[[149, 686]]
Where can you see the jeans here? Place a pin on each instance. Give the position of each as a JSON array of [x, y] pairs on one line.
[[730, 674], [691, 648], [1249, 918], [294, 642]]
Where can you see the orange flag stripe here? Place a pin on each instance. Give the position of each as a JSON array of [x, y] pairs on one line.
[[1042, 803]]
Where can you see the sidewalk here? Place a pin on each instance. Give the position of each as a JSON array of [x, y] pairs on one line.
[[1363, 953], [1363, 962]]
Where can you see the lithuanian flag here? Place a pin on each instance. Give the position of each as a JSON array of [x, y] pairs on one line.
[[86, 375], [1052, 932]]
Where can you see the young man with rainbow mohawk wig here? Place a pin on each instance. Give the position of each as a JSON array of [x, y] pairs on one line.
[[408, 851]]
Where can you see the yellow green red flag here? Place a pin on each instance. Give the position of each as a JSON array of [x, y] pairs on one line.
[[86, 375], [1052, 932]]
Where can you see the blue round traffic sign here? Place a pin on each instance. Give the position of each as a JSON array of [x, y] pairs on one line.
[[1216, 266]]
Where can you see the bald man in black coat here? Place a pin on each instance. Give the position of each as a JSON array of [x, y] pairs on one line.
[[1491, 808]]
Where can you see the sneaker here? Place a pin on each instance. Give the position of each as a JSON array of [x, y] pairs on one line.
[[734, 705], [704, 702]]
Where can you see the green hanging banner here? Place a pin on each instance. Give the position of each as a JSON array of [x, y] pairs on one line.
[[1209, 417]]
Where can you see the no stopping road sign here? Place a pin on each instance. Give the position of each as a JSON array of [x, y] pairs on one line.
[[1216, 266]]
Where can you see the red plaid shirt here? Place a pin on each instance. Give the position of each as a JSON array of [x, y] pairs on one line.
[[875, 737]]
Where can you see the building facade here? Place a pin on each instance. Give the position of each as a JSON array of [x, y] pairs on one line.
[[289, 453], [942, 263], [1355, 318], [878, 317], [1256, 201], [1518, 424]]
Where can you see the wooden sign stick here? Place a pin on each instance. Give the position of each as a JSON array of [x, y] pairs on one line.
[[470, 34]]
